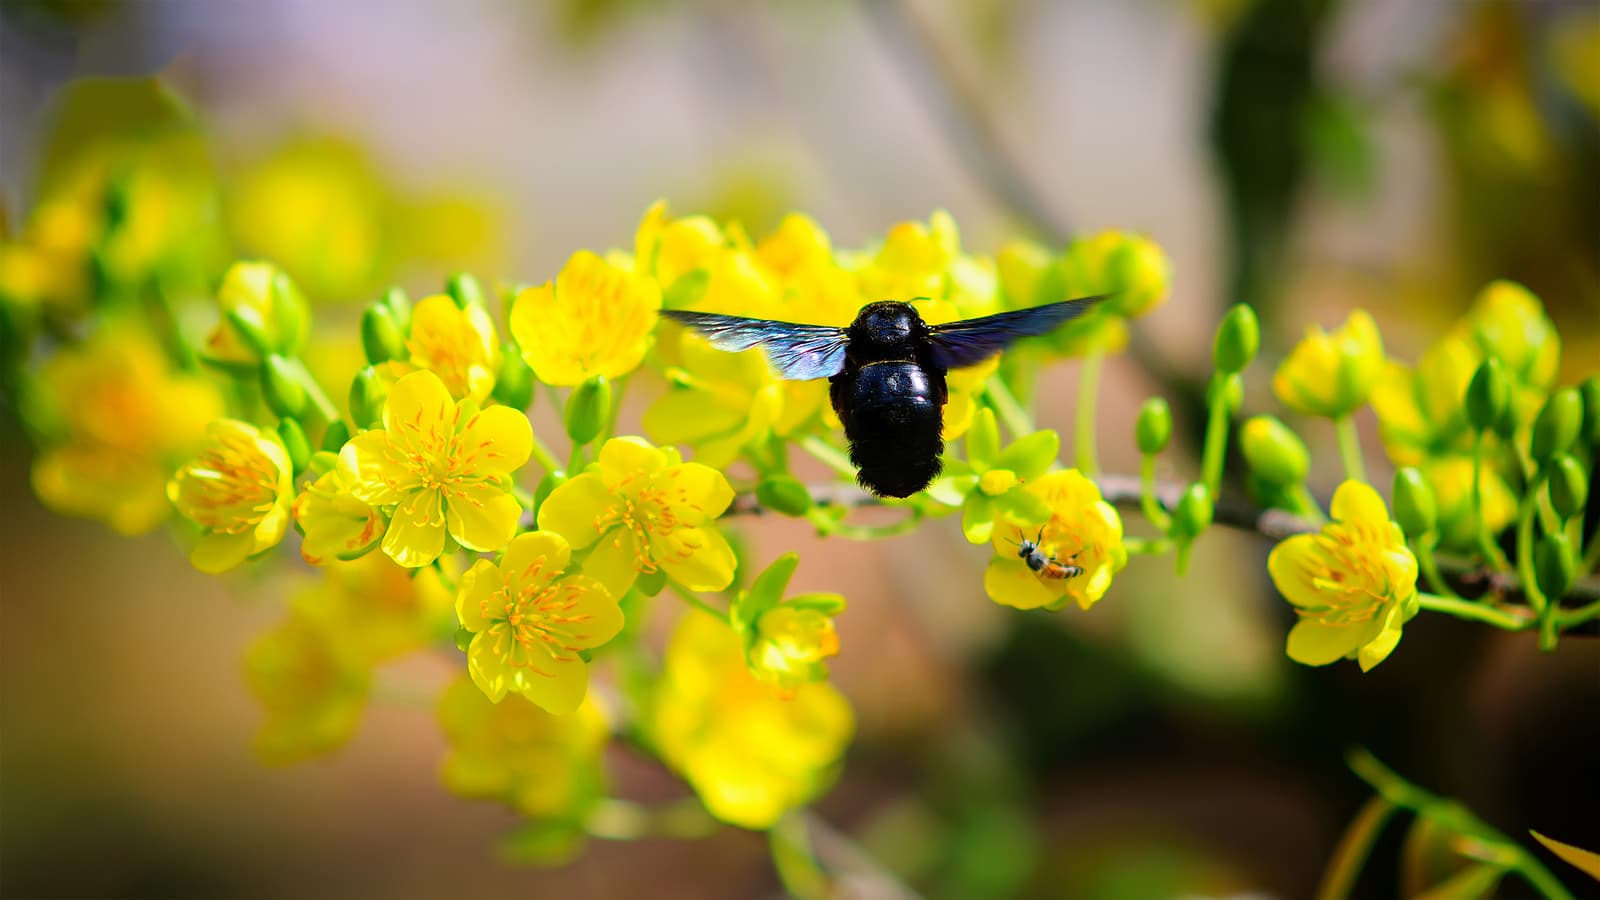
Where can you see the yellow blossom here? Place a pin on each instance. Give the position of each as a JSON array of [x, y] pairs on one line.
[[116, 421], [529, 622], [313, 695], [444, 466], [371, 610], [790, 643], [750, 751], [336, 523], [1421, 410], [727, 276], [1451, 480], [541, 764], [260, 297], [1331, 375], [1353, 585], [459, 345], [1083, 530], [239, 490], [913, 261], [1509, 323], [643, 510], [595, 319]]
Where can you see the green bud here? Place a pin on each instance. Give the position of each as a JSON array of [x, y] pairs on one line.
[[513, 384], [294, 441], [337, 435], [1557, 425], [380, 335], [252, 331], [548, 483], [368, 393], [588, 409], [323, 461], [463, 639], [784, 494], [1415, 508], [1590, 389], [290, 313], [1274, 452], [399, 306], [1238, 339], [282, 388], [1154, 427], [1555, 565], [465, 290], [1488, 395], [1569, 486], [1194, 511]]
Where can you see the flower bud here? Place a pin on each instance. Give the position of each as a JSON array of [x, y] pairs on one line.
[[289, 313], [367, 396], [1415, 509], [337, 435], [282, 388], [1194, 511], [1569, 486], [1555, 565], [588, 409], [1557, 425], [1238, 339], [1332, 374], [513, 384], [294, 441], [380, 335], [548, 483], [784, 494], [1488, 395], [1154, 427], [465, 290], [1274, 452], [250, 329], [1590, 389], [399, 306], [322, 462]]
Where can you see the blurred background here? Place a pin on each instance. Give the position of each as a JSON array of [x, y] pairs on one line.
[[1308, 156]]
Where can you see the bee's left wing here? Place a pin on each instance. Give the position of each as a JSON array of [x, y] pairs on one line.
[[971, 341], [798, 352]]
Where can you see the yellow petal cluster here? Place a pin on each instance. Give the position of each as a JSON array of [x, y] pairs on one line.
[[439, 467], [372, 610], [595, 319], [530, 620], [1332, 375], [644, 510], [335, 522], [1083, 530], [1353, 585], [313, 695], [249, 292], [750, 752], [791, 641], [457, 344], [239, 490]]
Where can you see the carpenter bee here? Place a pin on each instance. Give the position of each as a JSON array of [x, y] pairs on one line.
[[1043, 564], [886, 374]]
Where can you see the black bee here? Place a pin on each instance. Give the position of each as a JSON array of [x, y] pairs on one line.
[[886, 374], [1043, 564]]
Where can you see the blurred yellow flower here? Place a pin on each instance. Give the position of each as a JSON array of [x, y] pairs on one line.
[[540, 764], [644, 510], [445, 467], [1353, 585], [371, 610], [529, 621], [1451, 480], [913, 261], [790, 643], [1132, 269], [1508, 322], [728, 277], [336, 523], [116, 420], [239, 490], [750, 752], [313, 695], [1083, 530], [1421, 410], [259, 306], [459, 345], [595, 319], [1331, 375]]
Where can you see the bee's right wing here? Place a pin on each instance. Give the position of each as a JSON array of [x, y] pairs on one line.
[[797, 352]]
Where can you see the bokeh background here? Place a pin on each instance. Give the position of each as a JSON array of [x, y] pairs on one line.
[[1309, 156]]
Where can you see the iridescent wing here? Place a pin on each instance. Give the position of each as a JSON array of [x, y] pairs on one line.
[[971, 341], [797, 352]]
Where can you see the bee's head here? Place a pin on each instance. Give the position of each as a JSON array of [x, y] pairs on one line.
[[887, 327], [1025, 547]]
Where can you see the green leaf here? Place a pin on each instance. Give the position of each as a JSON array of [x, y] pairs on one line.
[[1031, 455], [1586, 861], [797, 865], [983, 440], [765, 593], [825, 603], [1468, 884]]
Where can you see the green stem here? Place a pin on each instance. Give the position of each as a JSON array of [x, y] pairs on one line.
[[1083, 427], [618, 388], [1591, 557], [828, 526], [1486, 545], [1147, 546], [319, 398], [1525, 566], [615, 819], [1304, 504], [1215, 451], [1017, 420], [542, 455], [1355, 468], [1348, 859], [690, 598], [1149, 504], [1430, 567], [1569, 618], [1514, 619], [828, 455]]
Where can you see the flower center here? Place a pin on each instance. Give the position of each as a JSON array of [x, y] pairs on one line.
[[1348, 571], [535, 613], [230, 487], [439, 459], [646, 511]]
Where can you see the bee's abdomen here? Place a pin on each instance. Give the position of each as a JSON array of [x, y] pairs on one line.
[[893, 416]]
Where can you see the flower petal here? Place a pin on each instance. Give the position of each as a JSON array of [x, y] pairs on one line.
[[417, 403], [372, 475], [698, 558], [1287, 564], [1009, 582], [535, 558], [218, 552], [614, 562], [597, 608], [417, 531], [1356, 501], [573, 507], [557, 684], [626, 457], [473, 599], [498, 438], [486, 663], [696, 492], [1379, 647], [1312, 643], [482, 517]]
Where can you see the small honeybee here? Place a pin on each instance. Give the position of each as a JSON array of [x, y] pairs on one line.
[[1043, 564]]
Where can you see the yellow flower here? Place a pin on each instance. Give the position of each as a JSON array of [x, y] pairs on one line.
[[371, 610], [1354, 584], [645, 510], [1508, 322], [117, 420], [540, 764], [596, 319], [459, 345], [728, 276], [1451, 480], [913, 261], [336, 523], [313, 695], [750, 752], [1083, 531], [1130, 267], [257, 294], [1331, 375], [238, 490], [1421, 410], [529, 621], [790, 643], [445, 466]]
